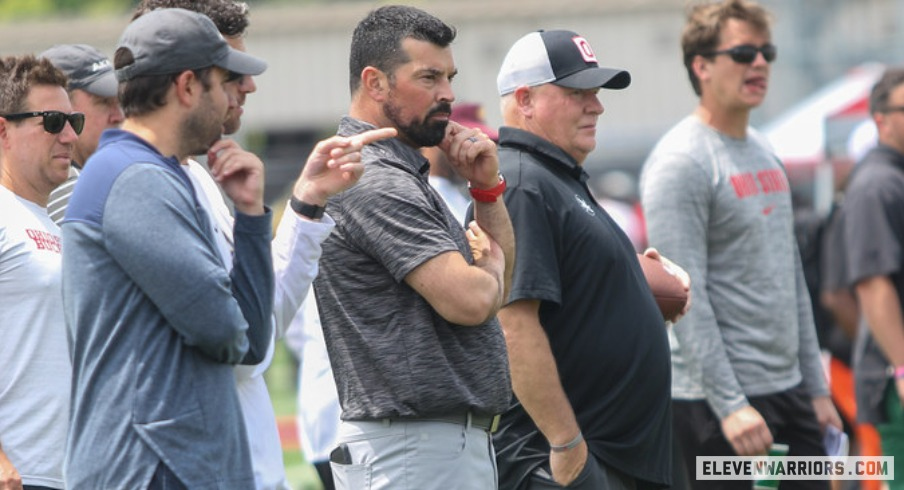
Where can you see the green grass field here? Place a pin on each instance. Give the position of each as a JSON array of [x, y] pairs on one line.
[[281, 383]]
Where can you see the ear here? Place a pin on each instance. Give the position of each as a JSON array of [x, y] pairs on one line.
[[700, 67], [880, 119], [187, 87], [375, 83], [4, 133], [524, 99]]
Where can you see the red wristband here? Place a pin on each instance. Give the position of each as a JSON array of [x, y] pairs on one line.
[[488, 195], [899, 372]]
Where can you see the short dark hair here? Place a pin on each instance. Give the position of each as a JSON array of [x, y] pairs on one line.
[[878, 97], [19, 74], [377, 40], [230, 16], [145, 94], [704, 27]]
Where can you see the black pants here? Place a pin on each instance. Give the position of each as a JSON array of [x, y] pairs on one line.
[[788, 414], [594, 476], [165, 479], [325, 474]]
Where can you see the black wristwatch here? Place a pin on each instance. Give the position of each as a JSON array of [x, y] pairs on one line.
[[311, 211]]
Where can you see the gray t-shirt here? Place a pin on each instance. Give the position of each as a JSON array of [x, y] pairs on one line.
[[393, 355], [721, 208]]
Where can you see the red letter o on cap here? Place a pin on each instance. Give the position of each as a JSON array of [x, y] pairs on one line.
[[585, 49]]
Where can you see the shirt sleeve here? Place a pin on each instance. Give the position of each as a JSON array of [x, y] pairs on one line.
[[296, 252], [536, 273], [394, 220], [677, 192], [152, 229], [872, 247]]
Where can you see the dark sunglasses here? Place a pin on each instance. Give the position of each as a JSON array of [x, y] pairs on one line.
[[54, 121], [746, 53]]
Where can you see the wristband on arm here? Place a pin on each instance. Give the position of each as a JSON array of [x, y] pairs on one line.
[[899, 372], [568, 445], [310, 211], [488, 195]]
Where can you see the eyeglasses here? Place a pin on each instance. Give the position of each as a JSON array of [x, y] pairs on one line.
[[893, 108], [746, 53], [54, 121]]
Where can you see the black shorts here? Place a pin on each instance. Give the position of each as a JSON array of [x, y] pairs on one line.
[[788, 414]]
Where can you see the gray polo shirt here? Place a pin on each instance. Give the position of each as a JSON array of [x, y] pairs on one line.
[[393, 355]]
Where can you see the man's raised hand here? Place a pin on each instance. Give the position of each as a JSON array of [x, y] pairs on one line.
[[335, 165]]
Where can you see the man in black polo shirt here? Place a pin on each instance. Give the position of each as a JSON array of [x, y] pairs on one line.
[[588, 351], [873, 226]]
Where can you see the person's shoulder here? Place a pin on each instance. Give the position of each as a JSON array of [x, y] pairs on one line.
[[523, 170], [683, 136], [383, 174], [680, 145], [10, 208], [876, 181]]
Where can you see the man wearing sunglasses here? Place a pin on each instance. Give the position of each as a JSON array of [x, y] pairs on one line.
[[38, 131], [92, 91], [746, 364]]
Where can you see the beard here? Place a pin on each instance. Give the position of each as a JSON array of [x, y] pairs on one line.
[[418, 132], [202, 128]]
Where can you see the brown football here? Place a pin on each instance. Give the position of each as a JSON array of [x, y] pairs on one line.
[[667, 289]]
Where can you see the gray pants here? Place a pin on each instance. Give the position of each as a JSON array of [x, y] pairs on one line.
[[594, 476], [413, 455]]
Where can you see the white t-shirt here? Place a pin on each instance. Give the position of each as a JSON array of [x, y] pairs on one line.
[[317, 400], [257, 409], [36, 371], [296, 251]]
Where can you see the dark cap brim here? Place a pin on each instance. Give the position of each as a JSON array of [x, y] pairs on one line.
[[105, 86], [243, 63], [611, 78]]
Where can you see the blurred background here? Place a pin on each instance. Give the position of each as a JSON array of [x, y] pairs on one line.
[[305, 91], [830, 54]]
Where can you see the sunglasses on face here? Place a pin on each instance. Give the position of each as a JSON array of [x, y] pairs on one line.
[[54, 121], [746, 53]]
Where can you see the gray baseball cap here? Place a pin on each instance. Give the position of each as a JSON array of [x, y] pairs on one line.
[[168, 41], [86, 67]]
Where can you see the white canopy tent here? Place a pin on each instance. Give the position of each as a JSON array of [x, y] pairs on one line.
[[799, 135], [812, 134]]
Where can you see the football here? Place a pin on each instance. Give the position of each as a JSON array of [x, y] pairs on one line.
[[667, 289]]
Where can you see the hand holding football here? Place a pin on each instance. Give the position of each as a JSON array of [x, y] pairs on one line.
[[667, 289]]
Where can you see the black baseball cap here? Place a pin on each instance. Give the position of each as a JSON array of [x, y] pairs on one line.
[[559, 57]]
